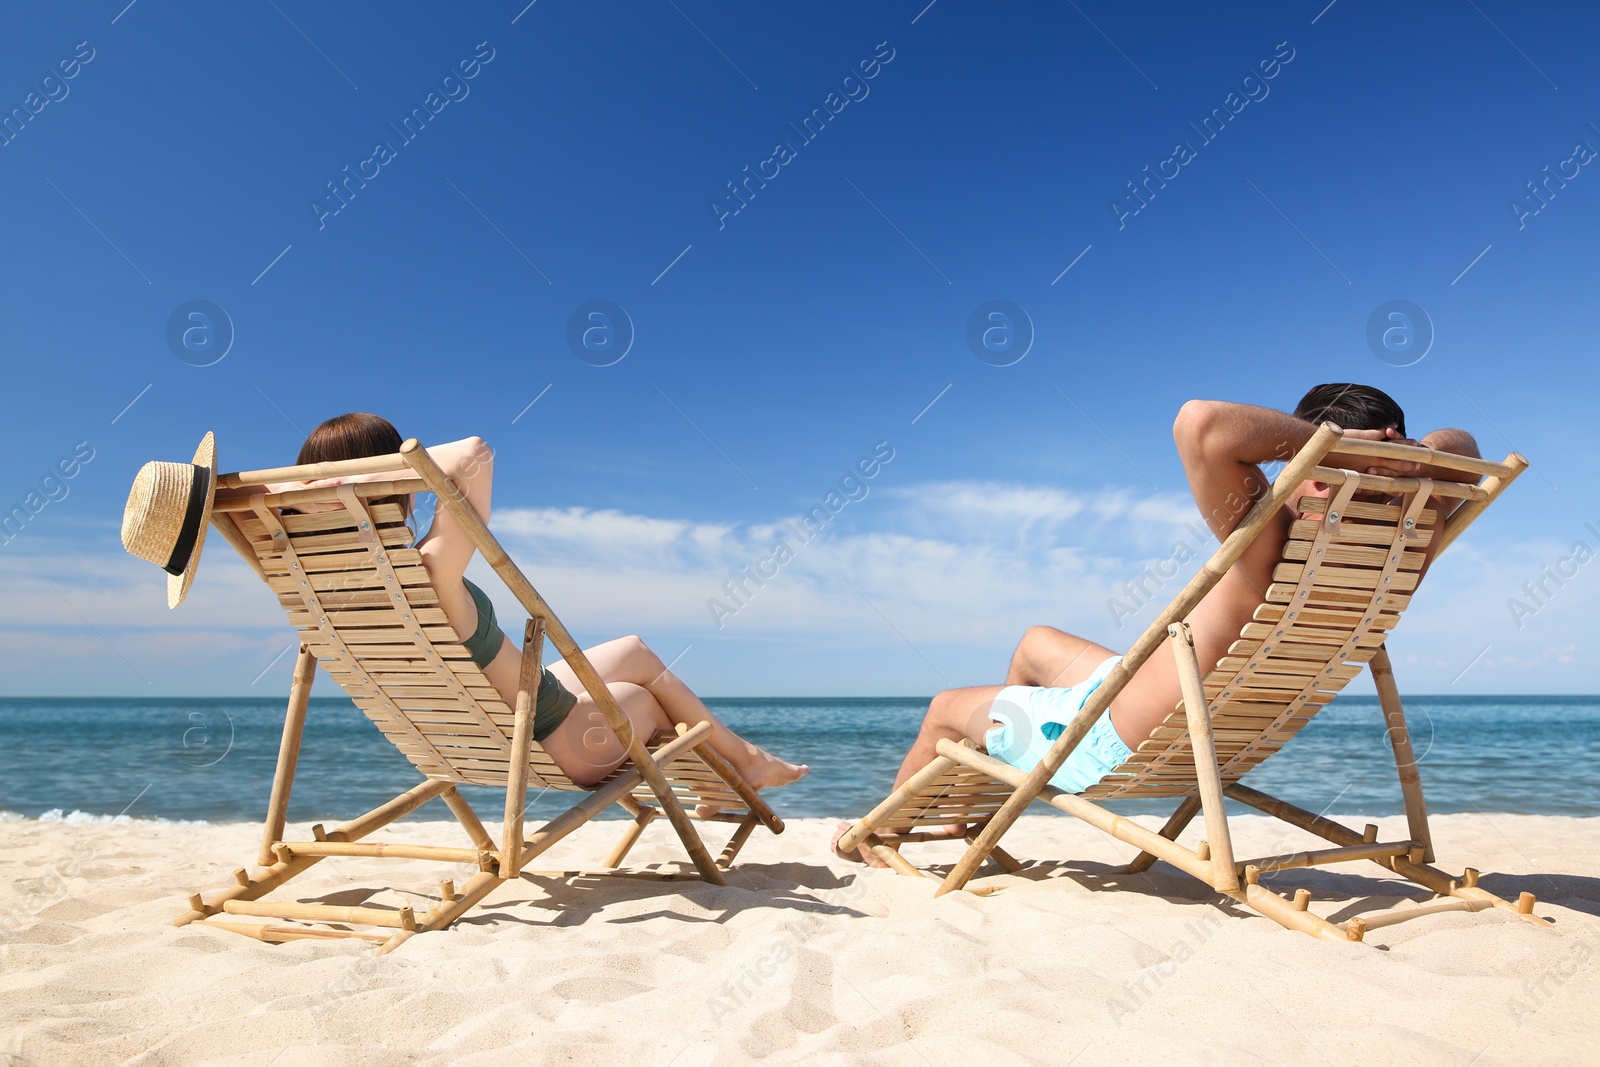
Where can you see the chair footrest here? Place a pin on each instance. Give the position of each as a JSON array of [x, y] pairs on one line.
[[1373, 850], [733, 815], [400, 919], [1378, 919], [278, 934], [690, 875], [384, 850], [897, 837]]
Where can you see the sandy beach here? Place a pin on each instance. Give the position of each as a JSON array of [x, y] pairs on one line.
[[798, 958]]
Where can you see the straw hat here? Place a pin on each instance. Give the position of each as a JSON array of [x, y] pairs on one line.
[[167, 514]]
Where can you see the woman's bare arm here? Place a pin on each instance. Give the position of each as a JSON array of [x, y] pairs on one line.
[[447, 547]]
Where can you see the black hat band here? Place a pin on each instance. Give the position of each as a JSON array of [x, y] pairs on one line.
[[199, 490]]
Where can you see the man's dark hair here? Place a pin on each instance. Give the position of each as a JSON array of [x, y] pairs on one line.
[[1351, 407]]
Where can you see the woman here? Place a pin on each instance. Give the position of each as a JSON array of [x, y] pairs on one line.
[[569, 727]]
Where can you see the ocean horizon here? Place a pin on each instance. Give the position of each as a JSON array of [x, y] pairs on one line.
[[204, 759]]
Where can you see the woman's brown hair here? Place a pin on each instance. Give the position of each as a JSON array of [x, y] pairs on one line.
[[355, 436]]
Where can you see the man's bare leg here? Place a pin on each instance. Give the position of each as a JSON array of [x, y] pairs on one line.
[[953, 715], [1045, 657], [1053, 658]]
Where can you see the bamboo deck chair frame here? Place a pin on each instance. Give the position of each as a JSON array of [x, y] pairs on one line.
[[336, 572], [1309, 638]]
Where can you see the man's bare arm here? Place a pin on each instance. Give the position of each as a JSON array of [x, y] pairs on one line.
[[1457, 442], [1222, 446], [1461, 443]]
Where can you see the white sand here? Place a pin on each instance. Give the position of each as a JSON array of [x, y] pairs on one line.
[[798, 958]]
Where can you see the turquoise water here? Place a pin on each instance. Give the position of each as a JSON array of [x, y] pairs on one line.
[[212, 759]]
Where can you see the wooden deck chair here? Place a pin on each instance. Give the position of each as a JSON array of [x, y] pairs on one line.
[[1342, 585], [364, 607]]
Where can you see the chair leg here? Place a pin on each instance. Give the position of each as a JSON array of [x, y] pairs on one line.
[[294, 858], [741, 834], [643, 816], [521, 741], [1405, 756], [1208, 779], [294, 724], [282, 871], [1293, 915], [1464, 888], [1180, 819], [468, 819], [857, 835], [1008, 863], [892, 858], [612, 792], [448, 911]]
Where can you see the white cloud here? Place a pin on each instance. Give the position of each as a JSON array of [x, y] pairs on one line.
[[1030, 515], [942, 575], [967, 562]]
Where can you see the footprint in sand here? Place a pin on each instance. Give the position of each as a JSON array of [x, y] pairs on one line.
[[600, 990], [73, 910]]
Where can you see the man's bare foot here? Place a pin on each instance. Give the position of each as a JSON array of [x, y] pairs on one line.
[[862, 854]]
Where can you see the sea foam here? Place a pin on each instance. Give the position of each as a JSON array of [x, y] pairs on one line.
[[76, 817]]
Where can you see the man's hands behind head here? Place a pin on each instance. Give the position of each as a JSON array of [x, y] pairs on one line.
[[1389, 468]]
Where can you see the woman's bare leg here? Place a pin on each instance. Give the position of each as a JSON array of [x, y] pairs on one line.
[[629, 659], [585, 746]]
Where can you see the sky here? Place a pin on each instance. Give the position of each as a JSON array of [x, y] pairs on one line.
[[685, 265]]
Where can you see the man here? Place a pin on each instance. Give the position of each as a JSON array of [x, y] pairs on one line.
[[1053, 672]]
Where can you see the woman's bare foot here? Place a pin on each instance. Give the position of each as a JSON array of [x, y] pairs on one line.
[[762, 771], [768, 771], [862, 854]]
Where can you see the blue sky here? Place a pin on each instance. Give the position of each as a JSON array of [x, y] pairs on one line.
[[775, 347]]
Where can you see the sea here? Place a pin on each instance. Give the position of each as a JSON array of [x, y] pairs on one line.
[[211, 760]]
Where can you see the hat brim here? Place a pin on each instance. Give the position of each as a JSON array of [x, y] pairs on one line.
[[204, 456]]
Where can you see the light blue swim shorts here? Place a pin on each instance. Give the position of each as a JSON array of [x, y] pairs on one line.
[[1031, 718]]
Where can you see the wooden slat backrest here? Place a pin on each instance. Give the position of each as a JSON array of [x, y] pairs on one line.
[[364, 604], [1344, 579]]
